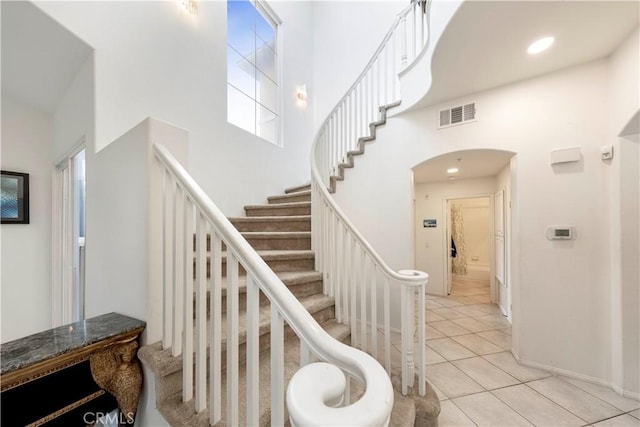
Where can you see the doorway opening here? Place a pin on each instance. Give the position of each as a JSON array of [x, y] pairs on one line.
[[69, 238], [469, 251], [477, 185]]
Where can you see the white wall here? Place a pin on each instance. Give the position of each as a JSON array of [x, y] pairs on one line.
[[431, 203], [26, 248], [153, 59], [624, 101], [73, 119], [560, 283]]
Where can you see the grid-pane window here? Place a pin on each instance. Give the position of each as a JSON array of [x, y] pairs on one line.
[[253, 86]]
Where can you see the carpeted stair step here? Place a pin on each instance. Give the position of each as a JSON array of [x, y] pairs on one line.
[[272, 223], [168, 369], [278, 260], [297, 188], [279, 240], [300, 283], [281, 209], [298, 196]]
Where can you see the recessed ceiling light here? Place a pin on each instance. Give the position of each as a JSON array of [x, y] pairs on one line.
[[540, 45], [452, 170]]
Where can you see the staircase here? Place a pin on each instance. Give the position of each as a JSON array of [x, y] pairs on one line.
[[280, 232]]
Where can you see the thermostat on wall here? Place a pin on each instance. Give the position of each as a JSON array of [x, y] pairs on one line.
[[560, 232]]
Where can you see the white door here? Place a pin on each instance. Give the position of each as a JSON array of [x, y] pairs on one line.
[[69, 239], [500, 238]]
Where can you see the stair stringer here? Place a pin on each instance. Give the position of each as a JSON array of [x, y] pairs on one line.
[[362, 141]]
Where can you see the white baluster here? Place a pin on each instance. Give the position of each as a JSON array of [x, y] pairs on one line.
[[305, 357], [404, 339], [374, 310], [340, 270], [253, 352], [387, 327], [277, 368], [215, 354], [413, 33], [353, 287], [187, 337], [403, 42], [346, 276], [232, 339], [422, 353], [178, 271], [332, 254], [363, 300], [201, 316], [167, 196]]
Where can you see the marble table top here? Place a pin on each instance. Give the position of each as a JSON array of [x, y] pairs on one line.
[[48, 344]]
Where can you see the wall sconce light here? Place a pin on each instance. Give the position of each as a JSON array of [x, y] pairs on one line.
[[190, 6], [301, 96]]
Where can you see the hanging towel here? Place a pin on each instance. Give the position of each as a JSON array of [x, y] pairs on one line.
[[454, 252]]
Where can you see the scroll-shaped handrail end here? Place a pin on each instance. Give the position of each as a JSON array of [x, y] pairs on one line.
[[316, 391], [416, 274]]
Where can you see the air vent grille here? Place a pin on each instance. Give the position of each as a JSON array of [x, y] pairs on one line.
[[458, 115]]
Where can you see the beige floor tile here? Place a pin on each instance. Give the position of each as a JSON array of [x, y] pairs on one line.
[[433, 333], [451, 380], [464, 300], [499, 338], [535, 407], [452, 416], [470, 311], [433, 317], [446, 302], [486, 308], [429, 303], [448, 328], [448, 313], [441, 395], [507, 363], [472, 324], [496, 321], [606, 394], [635, 413], [574, 399], [434, 357], [482, 299], [485, 409], [620, 421], [505, 331], [484, 373], [449, 349], [477, 344]]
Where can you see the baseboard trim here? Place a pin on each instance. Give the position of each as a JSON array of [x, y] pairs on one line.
[[578, 376]]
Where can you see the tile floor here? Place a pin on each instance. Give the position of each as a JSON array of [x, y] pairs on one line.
[[479, 382]]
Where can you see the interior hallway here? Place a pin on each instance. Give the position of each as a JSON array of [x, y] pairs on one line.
[[479, 383]]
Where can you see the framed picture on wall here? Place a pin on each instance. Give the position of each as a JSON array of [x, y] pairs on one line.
[[14, 200]]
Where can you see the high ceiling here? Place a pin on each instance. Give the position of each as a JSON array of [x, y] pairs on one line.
[[484, 45], [39, 57]]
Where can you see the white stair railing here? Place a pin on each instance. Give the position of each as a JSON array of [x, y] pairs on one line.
[[188, 212], [351, 267]]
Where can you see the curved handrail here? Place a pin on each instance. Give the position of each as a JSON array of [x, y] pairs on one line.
[[379, 391], [422, 277], [341, 136], [375, 55]]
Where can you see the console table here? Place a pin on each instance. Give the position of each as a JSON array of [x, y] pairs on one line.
[[73, 374]]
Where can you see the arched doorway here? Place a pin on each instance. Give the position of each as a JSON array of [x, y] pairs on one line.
[[462, 231]]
